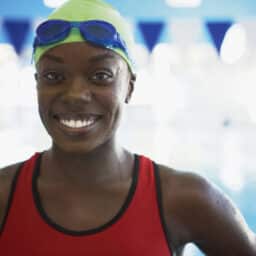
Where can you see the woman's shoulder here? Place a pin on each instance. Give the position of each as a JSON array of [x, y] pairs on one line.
[[186, 193], [6, 177], [7, 173], [182, 181], [197, 211]]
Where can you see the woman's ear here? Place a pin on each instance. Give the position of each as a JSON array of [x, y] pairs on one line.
[[131, 87]]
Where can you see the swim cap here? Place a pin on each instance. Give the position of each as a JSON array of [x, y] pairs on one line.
[[84, 10]]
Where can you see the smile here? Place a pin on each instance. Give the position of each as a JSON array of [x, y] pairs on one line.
[[78, 123]]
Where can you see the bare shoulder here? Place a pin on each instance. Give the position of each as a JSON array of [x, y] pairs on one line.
[[180, 187], [180, 194], [6, 177], [7, 174], [197, 211]]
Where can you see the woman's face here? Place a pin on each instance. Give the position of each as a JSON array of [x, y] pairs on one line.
[[81, 91]]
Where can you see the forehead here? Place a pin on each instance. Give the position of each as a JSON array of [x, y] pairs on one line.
[[81, 53]]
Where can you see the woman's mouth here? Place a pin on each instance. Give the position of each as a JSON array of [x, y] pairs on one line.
[[77, 124], [82, 123]]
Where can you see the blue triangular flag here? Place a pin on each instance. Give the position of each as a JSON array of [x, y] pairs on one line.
[[17, 31], [151, 32], [217, 31]]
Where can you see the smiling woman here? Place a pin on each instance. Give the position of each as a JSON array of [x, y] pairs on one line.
[[86, 194], [80, 92]]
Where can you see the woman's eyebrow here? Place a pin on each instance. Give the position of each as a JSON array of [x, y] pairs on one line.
[[101, 57]]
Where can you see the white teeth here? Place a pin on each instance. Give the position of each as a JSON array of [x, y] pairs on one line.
[[77, 123], [71, 123]]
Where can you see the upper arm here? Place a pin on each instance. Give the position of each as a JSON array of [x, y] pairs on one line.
[[206, 217], [218, 227]]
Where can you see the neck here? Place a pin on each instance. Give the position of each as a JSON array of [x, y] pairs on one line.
[[108, 163]]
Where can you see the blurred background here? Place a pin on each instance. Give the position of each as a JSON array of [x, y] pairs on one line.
[[194, 103]]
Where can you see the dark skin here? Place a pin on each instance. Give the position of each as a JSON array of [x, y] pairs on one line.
[[80, 81]]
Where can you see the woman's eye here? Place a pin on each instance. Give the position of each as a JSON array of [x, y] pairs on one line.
[[101, 76], [53, 77]]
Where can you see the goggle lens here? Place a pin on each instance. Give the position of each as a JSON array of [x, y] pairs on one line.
[[51, 31], [97, 31]]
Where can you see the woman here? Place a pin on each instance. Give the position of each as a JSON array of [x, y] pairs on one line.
[[87, 195]]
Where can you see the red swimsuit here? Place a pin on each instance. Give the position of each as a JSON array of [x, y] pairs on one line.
[[138, 228]]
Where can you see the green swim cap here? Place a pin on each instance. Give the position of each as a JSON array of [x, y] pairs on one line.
[[84, 10]]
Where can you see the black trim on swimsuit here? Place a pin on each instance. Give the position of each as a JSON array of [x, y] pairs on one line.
[[50, 222], [160, 205], [11, 195]]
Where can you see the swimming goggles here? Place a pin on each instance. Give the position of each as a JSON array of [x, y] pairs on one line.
[[97, 32]]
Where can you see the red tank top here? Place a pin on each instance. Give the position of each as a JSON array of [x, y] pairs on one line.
[[137, 229]]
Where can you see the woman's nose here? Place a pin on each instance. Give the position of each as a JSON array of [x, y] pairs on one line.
[[79, 88]]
